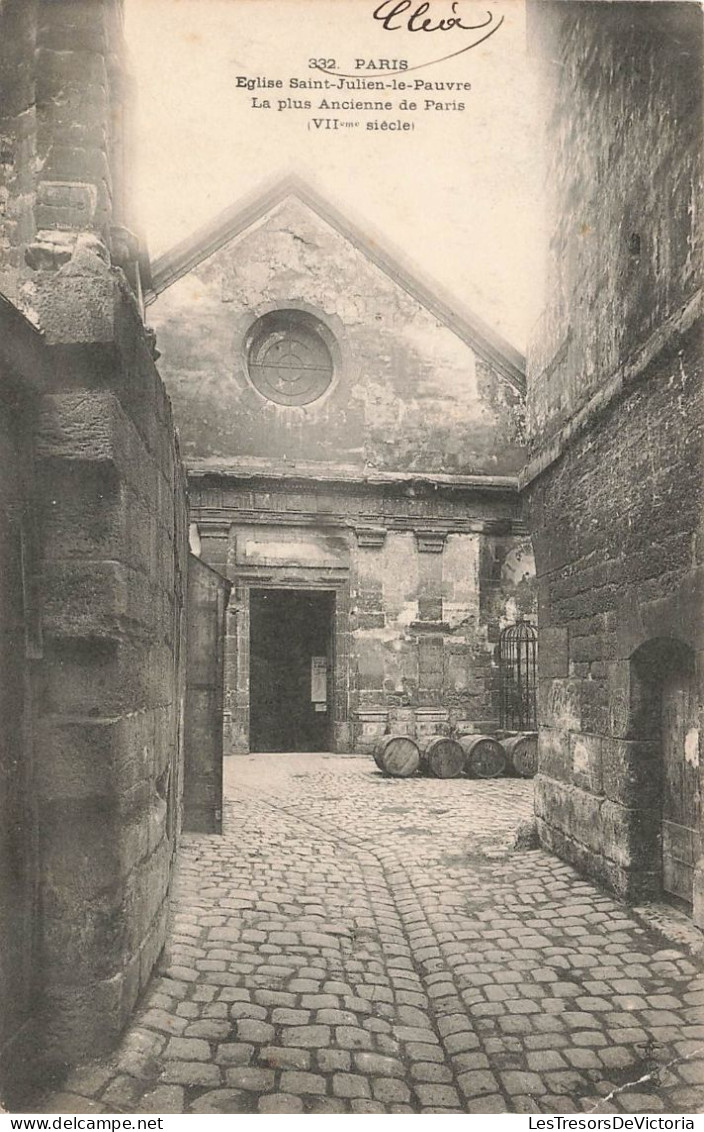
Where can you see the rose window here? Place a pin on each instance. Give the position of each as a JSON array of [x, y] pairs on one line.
[[288, 358]]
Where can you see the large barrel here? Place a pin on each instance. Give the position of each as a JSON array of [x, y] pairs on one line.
[[397, 756], [484, 757], [522, 753], [442, 757]]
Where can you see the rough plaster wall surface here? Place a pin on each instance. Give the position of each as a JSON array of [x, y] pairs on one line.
[[408, 394], [387, 653], [623, 191], [461, 578]]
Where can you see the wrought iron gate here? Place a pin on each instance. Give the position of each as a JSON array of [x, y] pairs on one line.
[[518, 646]]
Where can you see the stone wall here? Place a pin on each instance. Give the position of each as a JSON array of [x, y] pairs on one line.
[[64, 134], [408, 392], [614, 479], [94, 519], [18, 125], [109, 717], [621, 116], [393, 485], [22, 377], [424, 574], [92, 500]]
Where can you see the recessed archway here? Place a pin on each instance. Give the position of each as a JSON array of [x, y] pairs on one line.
[[664, 714]]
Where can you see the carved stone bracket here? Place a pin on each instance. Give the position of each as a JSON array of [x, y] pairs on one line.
[[371, 538], [430, 542]]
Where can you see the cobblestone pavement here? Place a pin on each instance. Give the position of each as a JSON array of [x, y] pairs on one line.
[[362, 944]]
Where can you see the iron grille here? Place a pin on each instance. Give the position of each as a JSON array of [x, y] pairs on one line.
[[518, 647]]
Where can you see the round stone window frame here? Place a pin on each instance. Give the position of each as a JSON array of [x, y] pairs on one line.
[[313, 320]]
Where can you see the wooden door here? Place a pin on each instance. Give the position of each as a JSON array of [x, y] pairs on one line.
[[681, 839]]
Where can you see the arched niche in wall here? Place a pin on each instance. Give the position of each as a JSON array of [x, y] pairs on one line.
[[662, 776]]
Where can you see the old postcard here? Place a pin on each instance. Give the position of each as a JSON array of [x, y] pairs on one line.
[[352, 561]]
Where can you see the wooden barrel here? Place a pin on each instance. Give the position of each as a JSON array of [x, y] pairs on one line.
[[397, 756], [522, 753], [484, 757], [442, 757]]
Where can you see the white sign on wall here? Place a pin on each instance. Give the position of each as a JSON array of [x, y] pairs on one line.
[[318, 679]]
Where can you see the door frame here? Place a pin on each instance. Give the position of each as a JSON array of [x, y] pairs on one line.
[[335, 581], [329, 648]]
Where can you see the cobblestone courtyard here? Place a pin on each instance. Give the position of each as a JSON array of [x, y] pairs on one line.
[[360, 944]]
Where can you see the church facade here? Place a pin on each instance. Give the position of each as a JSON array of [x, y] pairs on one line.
[[353, 446]]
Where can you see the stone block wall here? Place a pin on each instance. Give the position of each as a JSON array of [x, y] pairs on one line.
[[18, 24], [93, 512], [424, 578], [617, 532], [621, 118], [65, 133], [408, 393], [92, 501], [109, 699], [21, 379], [424, 633], [614, 482]]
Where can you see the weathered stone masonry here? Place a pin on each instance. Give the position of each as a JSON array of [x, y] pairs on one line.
[[424, 573], [22, 375], [393, 487], [614, 482], [93, 500]]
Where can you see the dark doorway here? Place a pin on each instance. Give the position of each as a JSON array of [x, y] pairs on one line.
[[681, 841], [664, 703], [290, 674]]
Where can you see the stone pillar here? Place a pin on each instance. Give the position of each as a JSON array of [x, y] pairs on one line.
[[369, 616], [215, 545], [430, 546], [431, 660], [217, 548]]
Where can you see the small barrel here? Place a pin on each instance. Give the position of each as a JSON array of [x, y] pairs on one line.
[[442, 757], [522, 753], [397, 756], [484, 757]]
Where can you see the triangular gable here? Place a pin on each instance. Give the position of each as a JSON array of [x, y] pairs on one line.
[[234, 221]]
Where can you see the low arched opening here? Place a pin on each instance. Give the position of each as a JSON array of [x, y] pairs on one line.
[[664, 718]]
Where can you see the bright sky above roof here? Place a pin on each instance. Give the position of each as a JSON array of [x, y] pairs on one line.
[[458, 194]]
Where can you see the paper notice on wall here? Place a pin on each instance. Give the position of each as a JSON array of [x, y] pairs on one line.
[[318, 679]]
